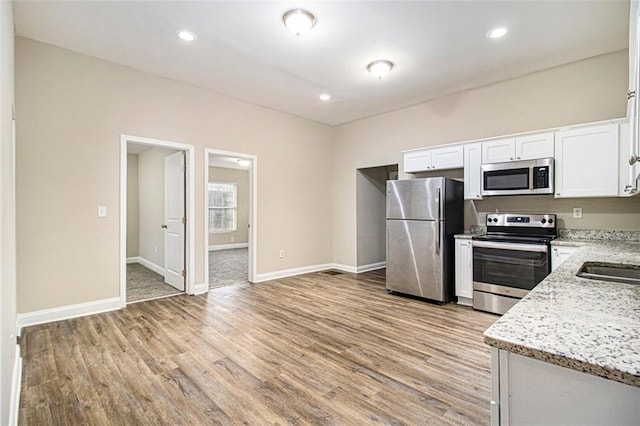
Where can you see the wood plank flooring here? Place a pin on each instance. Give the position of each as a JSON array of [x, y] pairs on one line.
[[312, 349]]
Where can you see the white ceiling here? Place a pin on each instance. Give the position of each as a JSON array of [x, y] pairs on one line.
[[244, 51]]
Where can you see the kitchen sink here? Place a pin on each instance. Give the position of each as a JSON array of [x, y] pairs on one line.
[[616, 272]]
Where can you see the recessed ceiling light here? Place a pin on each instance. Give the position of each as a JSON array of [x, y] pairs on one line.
[[380, 68], [298, 21], [497, 32], [186, 35], [325, 97]]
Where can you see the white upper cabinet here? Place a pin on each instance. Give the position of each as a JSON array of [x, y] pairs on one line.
[[531, 147], [587, 162], [524, 147], [499, 150], [417, 161], [472, 171], [447, 157], [629, 133], [628, 173]]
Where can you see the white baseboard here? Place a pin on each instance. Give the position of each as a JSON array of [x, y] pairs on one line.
[[268, 276], [200, 288], [16, 386], [147, 264], [317, 268], [371, 267], [343, 268], [67, 312], [228, 246]]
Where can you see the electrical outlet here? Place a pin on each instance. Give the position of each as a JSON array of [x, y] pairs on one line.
[[281, 254], [232, 239], [102, 211], [577, 212]]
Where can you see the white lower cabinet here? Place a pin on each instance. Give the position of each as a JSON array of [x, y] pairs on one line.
[[464, 271], [526, 391], [559, 254]]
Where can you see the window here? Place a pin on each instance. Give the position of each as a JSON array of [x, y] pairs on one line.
[[223, 207]]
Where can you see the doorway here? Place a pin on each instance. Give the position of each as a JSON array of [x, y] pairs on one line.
[[230, 213], [371, 214], [156, 196]]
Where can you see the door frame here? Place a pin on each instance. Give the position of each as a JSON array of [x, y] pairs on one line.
[[190, 258], [253, 210]]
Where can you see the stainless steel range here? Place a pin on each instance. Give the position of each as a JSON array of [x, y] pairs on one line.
[[511, 258]]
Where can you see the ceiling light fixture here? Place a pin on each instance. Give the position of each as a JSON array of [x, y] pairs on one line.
[[186, 35], [380, 68], [325, 97], [497, 33], [298, 21]]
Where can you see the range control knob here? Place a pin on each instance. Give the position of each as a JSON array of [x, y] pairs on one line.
[[543, 221], [495, 219], [550, 221]]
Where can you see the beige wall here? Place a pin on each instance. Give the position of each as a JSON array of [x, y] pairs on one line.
[[151, 204], [241, 178], [585, 91], [72, 110], [7, 212], [133, 219]]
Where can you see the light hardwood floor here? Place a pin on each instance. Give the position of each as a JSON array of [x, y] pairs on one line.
[[312, 349]]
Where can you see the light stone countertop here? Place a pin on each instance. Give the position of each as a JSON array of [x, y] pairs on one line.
[[587, 325], [465, 236]]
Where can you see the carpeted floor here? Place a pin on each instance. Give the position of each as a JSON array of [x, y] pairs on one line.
[[228, 267], [144, 284]]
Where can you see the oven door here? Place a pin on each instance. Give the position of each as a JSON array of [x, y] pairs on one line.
[[509, 269]]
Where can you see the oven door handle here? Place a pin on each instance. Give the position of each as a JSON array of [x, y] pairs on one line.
[[511, 246]]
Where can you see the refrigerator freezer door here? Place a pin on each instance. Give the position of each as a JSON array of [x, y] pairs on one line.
[[418, 199], [414, 258]]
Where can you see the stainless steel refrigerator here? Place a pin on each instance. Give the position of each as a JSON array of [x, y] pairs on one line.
[[423, 215]]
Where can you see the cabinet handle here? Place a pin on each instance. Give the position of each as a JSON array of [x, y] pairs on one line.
[[634, 159], [510, 158], [518, 158], [557, 193]]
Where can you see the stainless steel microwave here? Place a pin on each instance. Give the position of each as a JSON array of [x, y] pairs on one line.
[[518, 177]]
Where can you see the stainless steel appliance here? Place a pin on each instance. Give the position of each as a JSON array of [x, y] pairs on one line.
[[524, 177], [511, 258], [423, 215]]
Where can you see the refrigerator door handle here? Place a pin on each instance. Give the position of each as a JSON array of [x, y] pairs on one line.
[[439, 221]]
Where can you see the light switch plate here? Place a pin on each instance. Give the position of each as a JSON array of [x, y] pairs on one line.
[[577, 212], [102, 211]]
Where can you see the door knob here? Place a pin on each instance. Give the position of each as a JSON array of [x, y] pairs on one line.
[[163, 226]]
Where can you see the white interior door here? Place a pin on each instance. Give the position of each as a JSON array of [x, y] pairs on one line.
[[174, 220]]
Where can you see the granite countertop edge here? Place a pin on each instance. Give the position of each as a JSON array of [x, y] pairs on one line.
[[565, 319], [565, 361]]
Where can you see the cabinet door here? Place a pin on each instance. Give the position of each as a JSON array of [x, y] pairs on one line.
[[531, 147], [627, 183], [560, 254], [472, 171], [447, 158], [498, 150], [587, 162], [417, 161], [464, 269]]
